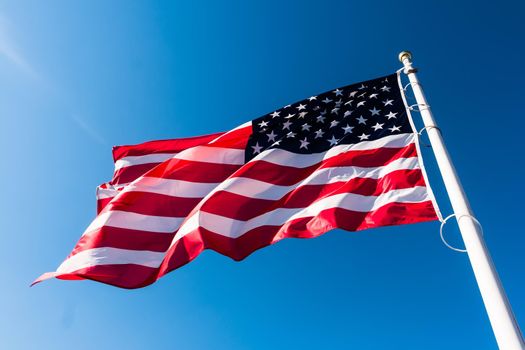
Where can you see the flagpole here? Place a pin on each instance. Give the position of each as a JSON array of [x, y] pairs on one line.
[[504, 325]]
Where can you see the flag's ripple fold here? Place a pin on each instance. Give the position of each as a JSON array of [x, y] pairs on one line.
[[344, 159]]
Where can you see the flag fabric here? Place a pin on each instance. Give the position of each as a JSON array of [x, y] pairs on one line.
[[347, 159], [131, 162]]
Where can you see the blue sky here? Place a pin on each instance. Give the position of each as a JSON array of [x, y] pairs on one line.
[[77, 78]]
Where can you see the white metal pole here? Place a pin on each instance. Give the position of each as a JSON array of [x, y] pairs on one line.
[[503, 323]]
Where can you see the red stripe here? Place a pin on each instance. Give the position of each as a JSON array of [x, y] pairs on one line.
[[116, 237], [244, 208], [101, 203], [237, 138], [131, 173], [127, 276], [162, 146], [189, 170], [153, 204], [288, 175]]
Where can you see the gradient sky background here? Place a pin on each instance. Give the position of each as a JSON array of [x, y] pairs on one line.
[[77, 78]]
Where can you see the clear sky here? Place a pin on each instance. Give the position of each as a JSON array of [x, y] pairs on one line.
[[79, 77]]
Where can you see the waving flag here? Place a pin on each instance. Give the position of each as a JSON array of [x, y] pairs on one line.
[[347, 158]]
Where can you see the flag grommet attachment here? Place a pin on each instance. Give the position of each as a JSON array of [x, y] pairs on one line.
[[458, 218], [420, 107], [411, 84]]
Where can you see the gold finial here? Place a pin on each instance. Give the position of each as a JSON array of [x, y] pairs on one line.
[[405, 54]]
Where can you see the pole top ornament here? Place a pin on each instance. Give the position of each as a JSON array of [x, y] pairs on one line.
[[405, 54]]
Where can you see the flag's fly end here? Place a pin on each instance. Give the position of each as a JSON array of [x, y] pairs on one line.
[[43, 277]]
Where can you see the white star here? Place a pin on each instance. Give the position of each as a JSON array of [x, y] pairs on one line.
[[306, 126], [362, 87], [338, 92], [263, 124], [321, 119], [352, 94], [395, 128], [373, 96], [257, 149], [361, 120], [363, 94], [378, 126], [300, 107], [388, 102], [349, 102], [348, 129], [333, 141], [304, 143], [391, 115], [327, 100], [275, 114], [335, 110], [362, 103], [290, 134], [287, 106], [347, 113], [338, 103], [287, 124], [312, 98], [302, 114], [363, 137], [276, 143], [385, 88], [271, 136], [319, 133], [374, 111], [289, 116], [333, 123]]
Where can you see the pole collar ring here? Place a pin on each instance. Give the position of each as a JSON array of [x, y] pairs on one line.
[[420, 133], [410, 84], [409, 70], [421, 107], [458, 218]]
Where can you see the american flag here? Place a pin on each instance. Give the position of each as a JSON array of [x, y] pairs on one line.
[[347, 158]]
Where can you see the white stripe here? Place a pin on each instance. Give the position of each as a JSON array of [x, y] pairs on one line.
[[170, 187], [146, 159], [109, 191], [109, 256], [103, 193], [283, 157], [235, 228], [219, 155], [134, 221], [263, 190], [206, 154]]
